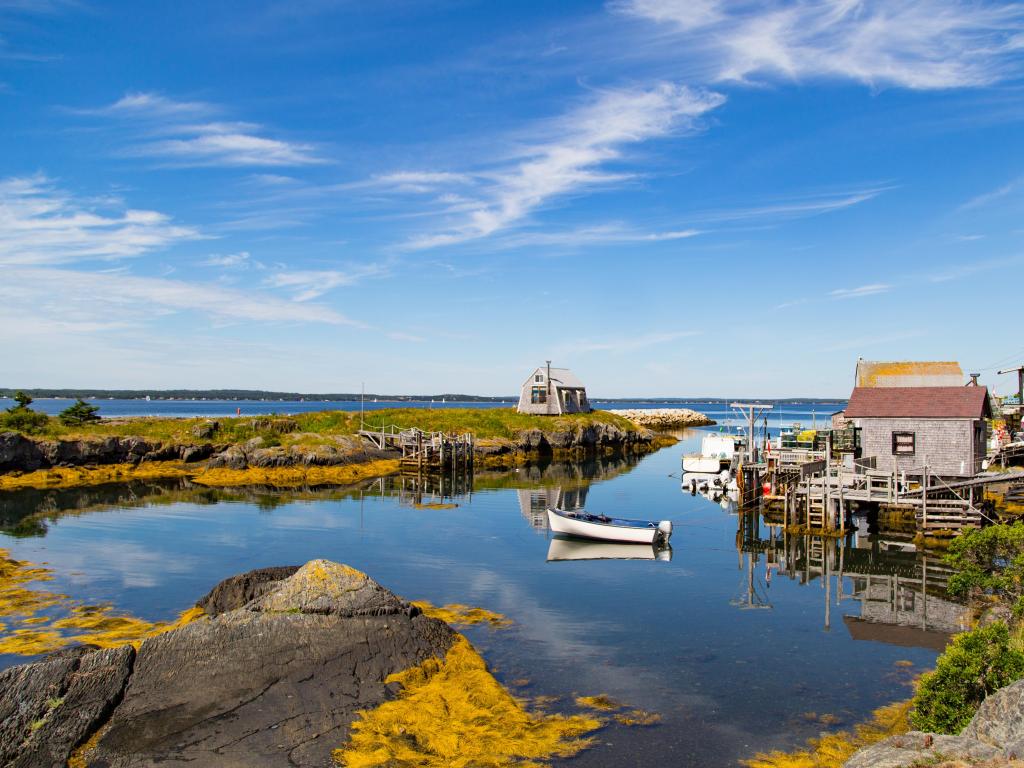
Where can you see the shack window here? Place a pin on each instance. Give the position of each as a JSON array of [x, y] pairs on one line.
[[539, 377], [903, 443], [538, 395]]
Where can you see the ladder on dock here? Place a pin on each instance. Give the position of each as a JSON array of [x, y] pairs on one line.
[[423, 451]]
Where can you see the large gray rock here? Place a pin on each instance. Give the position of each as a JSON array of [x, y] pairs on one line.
[[277, 681], [1000, 720], [18, 452], [49, 707], [996, 730], [234, 592], [917, 748]]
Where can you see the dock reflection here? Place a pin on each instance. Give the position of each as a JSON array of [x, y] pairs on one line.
[[901, 592]]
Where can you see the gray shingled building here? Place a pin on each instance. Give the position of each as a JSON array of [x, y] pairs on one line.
[[553, 391], [906, 428]]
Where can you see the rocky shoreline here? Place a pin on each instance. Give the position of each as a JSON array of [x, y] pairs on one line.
[[994, 738], [665, 418], [317, 459]]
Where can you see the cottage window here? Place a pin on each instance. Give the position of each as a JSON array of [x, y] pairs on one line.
[[539, 377], [903, 443], [538, 395]]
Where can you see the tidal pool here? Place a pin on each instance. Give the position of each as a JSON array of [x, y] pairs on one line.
[[745, 640]]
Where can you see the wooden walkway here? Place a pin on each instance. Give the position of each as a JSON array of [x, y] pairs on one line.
[[423, 451], [825, 499]]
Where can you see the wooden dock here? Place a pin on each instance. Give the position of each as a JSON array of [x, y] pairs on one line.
[[423, 452], [824, 500]]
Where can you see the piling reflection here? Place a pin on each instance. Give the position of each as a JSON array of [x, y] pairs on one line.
[[900, 591]]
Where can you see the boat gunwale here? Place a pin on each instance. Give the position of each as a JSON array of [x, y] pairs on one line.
[[646, 524]]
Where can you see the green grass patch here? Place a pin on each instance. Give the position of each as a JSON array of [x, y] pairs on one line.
[[484, 423]]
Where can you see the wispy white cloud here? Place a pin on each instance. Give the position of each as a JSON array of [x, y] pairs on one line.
[[959, 271], [574, 154], [418, 181], [41, 224], [213, 146], [151, 105], [75, 296], [862, 342], [604, 234], [810, 205], [860, 291], [922, 44], [310, 284], [402, 336], [202, 143], [998, 193], [240, 260], [624, 343]]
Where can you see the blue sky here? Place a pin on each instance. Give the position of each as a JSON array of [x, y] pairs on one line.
[[671, 197]]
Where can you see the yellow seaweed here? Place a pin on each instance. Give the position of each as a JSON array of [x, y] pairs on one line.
[[296, 476], [458, 614], [600, 702], [97, 624], [638, 717], [833, 749], [67, 477], [452, 713]]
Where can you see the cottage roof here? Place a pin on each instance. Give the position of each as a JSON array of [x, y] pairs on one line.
[[872, 373], [560, 377], [919, 403]]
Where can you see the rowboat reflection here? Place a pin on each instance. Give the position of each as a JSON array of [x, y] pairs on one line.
[[581, 549]]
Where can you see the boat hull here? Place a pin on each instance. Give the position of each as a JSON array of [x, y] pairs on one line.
[[702, 464], [600, 531]]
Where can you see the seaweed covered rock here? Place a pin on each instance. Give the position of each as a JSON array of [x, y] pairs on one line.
[[277, 680]]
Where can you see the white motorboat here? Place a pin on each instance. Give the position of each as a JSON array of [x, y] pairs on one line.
[[718, 451], [603, 528], [578, 549]]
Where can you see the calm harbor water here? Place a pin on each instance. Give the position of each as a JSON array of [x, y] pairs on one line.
[[741, 641]]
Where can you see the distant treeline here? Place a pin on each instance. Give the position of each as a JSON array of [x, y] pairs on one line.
[[259, 394]]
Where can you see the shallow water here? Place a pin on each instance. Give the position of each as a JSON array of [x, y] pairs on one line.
[[733, 659]]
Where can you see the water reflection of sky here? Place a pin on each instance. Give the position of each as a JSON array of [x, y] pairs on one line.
[[664, 636]]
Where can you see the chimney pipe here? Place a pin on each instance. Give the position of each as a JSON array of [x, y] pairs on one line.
[[974, 379]]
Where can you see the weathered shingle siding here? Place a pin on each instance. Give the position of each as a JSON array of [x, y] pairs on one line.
[[948, 446], [556, 403]]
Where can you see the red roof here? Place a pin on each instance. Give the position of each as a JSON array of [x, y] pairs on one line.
[[919, 403]]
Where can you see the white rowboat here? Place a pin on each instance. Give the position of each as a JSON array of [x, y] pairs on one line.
[[602, 528]]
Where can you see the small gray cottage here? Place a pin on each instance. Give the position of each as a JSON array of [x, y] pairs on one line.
[[906, 428], [553, 391]]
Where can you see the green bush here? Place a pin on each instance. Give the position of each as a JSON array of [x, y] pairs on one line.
[[989, 561], [79, 413], [974, 665], [22, 418]]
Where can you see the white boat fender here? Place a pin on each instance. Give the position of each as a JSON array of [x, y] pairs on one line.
[[665, 528]]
